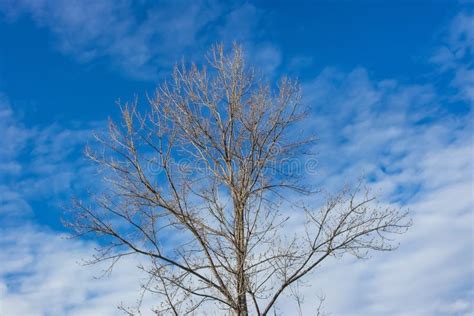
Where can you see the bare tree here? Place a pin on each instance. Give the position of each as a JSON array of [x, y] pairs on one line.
[[199, 184]]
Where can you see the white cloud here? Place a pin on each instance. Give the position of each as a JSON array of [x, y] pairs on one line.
[[418, 156], [41, 274], [457, 54], [38, 163], [12, 143], [369, 126], [40, 270], [142, 41], [13, 140], [136, 43]]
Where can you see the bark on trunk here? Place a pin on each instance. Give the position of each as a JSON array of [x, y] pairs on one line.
[[240, 252]]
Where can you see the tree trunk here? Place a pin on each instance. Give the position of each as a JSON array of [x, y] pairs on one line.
[[240, 253]]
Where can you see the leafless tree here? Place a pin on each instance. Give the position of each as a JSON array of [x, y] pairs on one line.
[[199, 185]]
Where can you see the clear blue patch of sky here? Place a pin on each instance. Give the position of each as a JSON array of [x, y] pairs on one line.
[[390, 39], [47, 85]]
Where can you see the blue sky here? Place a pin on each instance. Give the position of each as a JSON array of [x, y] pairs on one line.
[[390, 87]]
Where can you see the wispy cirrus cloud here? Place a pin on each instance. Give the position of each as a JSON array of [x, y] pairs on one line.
[[13, 142], [42, 274], [398, 134], [143, 41], [39, 163], [377, 128], [417, 157], [41, 270], [456, 56], [418, 152]]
